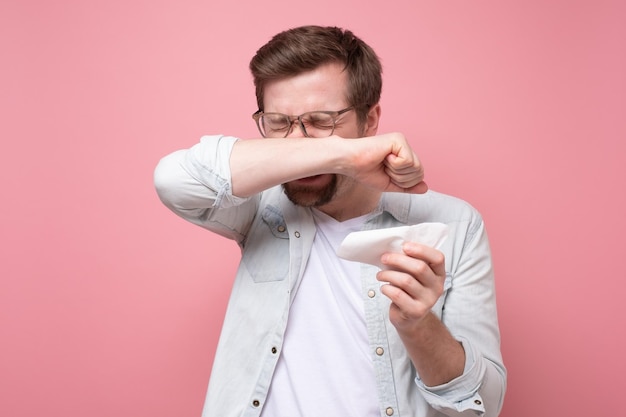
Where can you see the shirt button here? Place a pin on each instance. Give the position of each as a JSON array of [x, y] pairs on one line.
[[274, 350], [256, 403], [297, 234], [379, 352], [478, 402], [281, 228], [389, 411], [371, 293]]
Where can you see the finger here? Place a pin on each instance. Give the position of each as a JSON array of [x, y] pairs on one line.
[[402, 280], [408, 307], [410, 274], [403, 163], [404, 180], [397, 296], [434, 258], [408, 172], [404, 175], [419, 188]]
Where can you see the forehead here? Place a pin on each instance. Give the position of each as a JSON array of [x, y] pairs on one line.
[[323, 88]]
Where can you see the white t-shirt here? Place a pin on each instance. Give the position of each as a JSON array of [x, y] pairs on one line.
[[325, 368]]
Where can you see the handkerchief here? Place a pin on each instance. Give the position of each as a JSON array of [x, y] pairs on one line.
[[368, 246]]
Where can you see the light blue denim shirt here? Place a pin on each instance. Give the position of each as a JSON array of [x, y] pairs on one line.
[[275, 238]]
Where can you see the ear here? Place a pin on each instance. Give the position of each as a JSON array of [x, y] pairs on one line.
[[371, 122]]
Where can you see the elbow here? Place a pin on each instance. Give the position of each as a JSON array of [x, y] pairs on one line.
[[165, 178]]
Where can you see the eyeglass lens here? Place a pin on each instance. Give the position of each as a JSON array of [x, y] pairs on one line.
[[313, 124]]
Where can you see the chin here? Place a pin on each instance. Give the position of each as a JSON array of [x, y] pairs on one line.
[[306, 193]]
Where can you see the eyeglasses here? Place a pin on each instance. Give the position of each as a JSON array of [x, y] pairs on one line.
[[314, 124]]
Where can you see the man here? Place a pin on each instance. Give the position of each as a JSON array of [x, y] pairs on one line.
[[307, 333]]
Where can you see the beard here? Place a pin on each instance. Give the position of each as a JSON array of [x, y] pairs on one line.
[[308, 196]]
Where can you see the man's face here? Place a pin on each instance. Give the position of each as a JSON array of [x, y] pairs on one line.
[[324, 88]]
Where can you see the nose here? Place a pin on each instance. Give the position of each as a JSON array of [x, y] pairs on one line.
[[296, 130]]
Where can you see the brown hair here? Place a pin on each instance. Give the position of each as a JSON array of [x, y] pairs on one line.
[[305, 48]]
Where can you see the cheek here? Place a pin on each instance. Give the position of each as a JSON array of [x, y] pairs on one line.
[[350, 132], [344, 185]]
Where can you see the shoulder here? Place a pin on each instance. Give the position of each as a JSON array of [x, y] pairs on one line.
[[431, 206]]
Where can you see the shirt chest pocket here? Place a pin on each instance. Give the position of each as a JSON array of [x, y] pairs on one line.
[[266, 251]]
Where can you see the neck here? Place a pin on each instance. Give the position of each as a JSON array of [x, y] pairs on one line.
[[350, 206]]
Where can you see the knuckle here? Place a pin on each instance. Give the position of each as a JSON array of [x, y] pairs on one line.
[[406, 280], [393, 293], [438, 291], [421, 268], [439, 258]]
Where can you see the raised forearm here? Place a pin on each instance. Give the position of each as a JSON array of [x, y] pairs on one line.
[[259, 164], [385, 162]]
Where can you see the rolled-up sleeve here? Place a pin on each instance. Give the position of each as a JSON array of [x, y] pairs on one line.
[[195, 184]]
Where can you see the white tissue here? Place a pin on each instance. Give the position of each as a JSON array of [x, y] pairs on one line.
[[369, 245]]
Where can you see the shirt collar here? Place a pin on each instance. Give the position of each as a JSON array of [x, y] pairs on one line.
[[397, 205]]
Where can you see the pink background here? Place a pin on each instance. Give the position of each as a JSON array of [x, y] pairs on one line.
[[110, 305]]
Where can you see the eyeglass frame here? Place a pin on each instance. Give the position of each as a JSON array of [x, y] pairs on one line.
[[257, 116]]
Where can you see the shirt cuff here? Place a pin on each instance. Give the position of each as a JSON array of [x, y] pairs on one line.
[[460, 394]]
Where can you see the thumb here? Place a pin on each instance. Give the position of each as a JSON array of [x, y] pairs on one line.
[[419, 188]]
